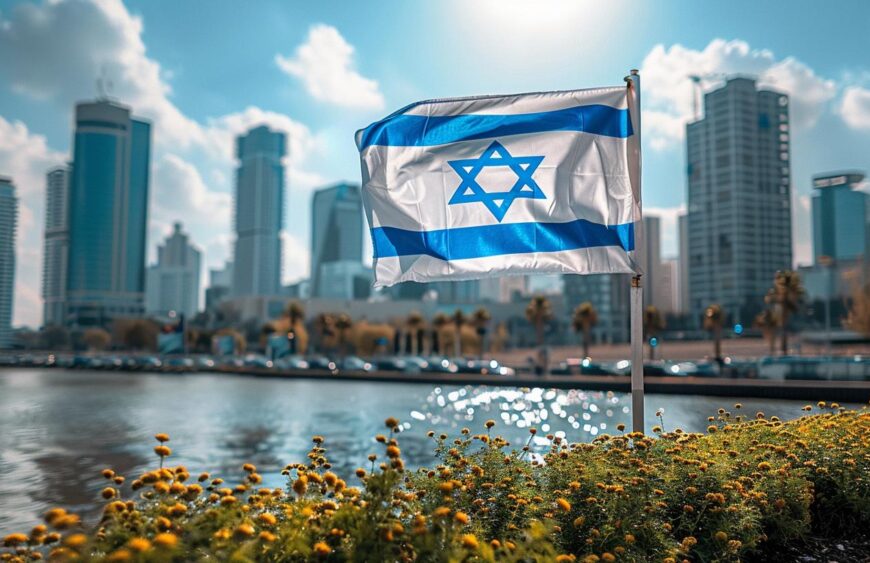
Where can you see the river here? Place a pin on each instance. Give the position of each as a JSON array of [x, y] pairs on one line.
[[59, 429]]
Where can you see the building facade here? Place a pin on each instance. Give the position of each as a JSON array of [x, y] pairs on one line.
[[173, 282], [345, 279], [739, 198], [259, 213], [336, 230], [651, 259], [107, 211], [220, 283], [8, 229], [55, 246], [839, 216], [683, 265]]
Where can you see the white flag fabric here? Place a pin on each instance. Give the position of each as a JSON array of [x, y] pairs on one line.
[[466, 188]]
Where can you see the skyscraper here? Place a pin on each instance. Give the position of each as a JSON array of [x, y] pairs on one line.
[[683, 235], [8, 227], [739, 197], [336, 231], [651, 259], [173, 283], [219, 284], [108, 214], [839, 216], [259, 212], [55, 248]]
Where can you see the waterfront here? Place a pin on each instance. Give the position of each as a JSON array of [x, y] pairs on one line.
[[59, 428]]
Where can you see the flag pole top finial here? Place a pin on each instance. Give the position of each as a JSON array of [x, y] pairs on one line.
[[634, 72]]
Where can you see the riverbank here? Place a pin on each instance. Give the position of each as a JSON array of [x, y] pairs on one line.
[[806, 390]]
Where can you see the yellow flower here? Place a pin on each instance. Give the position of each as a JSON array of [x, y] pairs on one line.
[[393, 451], [249, 467], [322, 549], [120, 555], [14, 539], [461, 517], [166, 540], [75, 541], [267, 519], [139, 544], [489, 423], [268, 537], [161, 437], [469, 541], [162, 451], [607, 556], [721, 536], [441, 512], [563, 504], [391, 422], [244, 530]]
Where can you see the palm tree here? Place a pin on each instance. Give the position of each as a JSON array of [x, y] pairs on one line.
[[324, 325], [768, 322], [539, 312], [295, 313], [714, 320], [414, 324], [480, 319], [343, 323], [458, 319], [858, 317], [584, 318], [653, 323], [787, 295], [438, 323]]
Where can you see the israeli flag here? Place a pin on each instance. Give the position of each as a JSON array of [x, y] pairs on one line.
[[465, 188]]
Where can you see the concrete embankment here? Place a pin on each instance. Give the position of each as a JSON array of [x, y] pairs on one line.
[[807, 390]]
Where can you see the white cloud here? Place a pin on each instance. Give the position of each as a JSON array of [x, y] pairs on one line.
[[669, 93], [54, 52], [25, 157], [855, 107], [297, 259], [326, 66]]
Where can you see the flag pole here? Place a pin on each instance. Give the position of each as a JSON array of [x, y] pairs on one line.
[[636, 297]]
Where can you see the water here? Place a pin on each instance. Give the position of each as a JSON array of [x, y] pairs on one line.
[[59, 429]]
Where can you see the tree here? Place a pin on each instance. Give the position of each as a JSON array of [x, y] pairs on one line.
[[414, 324], [324, 326], [96, 339], [139, 334], [239, 342], [714, 320], [653, 324], [767, 322], [438, 323], [787, 295], [858, 318], [539, 312], [54, 337], [343, 324], [480, 320], [584, 318], [295, 314], [458, 319]]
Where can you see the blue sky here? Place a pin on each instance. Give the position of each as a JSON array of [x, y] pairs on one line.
[[204, 71]]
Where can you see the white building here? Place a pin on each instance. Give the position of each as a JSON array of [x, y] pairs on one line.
[[55, 248], [173, 283], [8, 227]]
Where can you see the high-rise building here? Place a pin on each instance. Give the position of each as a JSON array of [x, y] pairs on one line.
[[259, 212], [107, 212], [739, 198], [220, 282], [651, 259], [503, 289], [667, 287], [609, 294], [55, 247], [173, 283], [449, 292], [336, 230], [683, 235], [8, 228], [840, 227], [345, 279]]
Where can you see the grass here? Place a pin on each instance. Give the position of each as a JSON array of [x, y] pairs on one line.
[[747, 486]]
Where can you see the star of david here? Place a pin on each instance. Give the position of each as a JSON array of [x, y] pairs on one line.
[[498, 203]]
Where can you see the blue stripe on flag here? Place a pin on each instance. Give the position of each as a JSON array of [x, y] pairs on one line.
[[494, 240], [425, 130]]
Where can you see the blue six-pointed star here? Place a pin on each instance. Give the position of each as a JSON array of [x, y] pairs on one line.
[[498, 203]]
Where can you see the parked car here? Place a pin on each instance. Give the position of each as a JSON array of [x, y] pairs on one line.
[[354, 363], [291, 363], [577, 366], [440, 364], [321, 362]]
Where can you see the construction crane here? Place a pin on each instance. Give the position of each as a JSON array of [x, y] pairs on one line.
[[697, 79]]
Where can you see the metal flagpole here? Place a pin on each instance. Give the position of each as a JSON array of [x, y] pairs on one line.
[[637, 394]]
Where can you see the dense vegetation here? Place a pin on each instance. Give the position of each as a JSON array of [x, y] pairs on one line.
[[737, 492]]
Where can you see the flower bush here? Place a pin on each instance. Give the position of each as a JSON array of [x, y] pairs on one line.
[[737, 492]]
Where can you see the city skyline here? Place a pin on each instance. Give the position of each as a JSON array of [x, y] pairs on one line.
[[291, 86]]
